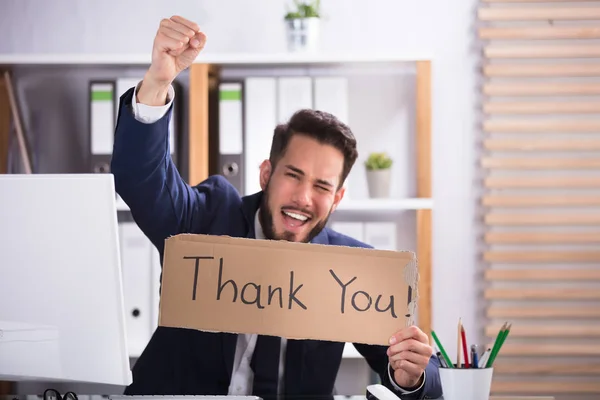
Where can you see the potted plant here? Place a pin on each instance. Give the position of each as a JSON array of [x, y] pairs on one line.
[[379, 168], [303, 25]]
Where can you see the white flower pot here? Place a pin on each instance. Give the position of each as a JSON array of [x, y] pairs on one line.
[[379, 182], [303, 34]]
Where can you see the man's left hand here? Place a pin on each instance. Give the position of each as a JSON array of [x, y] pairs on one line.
[[409, 354]]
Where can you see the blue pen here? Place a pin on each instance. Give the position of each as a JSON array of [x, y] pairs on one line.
[[474, 358]]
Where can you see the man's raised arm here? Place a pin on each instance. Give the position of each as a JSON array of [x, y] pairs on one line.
[[146, 178]]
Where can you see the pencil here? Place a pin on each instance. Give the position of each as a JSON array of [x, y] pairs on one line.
[[464, 346], [496, 344], [502, 339], [444, 354], [458, 345]]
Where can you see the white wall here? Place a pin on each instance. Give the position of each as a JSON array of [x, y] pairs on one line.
[[442, 28]]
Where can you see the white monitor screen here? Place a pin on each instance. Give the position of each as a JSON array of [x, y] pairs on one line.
[[61, 296]]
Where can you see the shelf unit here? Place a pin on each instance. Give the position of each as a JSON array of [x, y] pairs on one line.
[[385, 205], [207, 66], [217, 59]]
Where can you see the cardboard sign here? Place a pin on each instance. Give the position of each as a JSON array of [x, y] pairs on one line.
[[292, 290]]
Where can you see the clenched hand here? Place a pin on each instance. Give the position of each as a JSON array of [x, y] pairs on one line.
[[177, 43], [409, 354]]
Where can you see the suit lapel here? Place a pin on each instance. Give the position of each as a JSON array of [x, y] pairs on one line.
[[321, 238]]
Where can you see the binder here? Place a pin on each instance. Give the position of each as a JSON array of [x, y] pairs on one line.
[[138, 283], [381, 235], [355, 230], [102, 124], [231, 133], [294, 93], [260, 116], [155, 288], [331, 95]]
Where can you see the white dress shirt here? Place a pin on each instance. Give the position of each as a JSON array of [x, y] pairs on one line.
[[242, 374]]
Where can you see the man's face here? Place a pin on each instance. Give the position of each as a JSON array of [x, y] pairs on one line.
[[301, 192]]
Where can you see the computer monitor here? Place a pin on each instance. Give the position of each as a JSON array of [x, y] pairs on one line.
[[61, 298]]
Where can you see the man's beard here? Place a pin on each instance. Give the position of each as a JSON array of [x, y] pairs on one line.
[[265, 217]]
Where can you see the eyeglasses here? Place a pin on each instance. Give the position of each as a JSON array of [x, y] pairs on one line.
[[53, 394]]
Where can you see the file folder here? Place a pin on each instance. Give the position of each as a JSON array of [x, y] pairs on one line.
[[355, 230], [102, 124], [155, 289], [231, 133], [138, 283], [381, 235], [102, 128], [260, 116], [294, 93], [331, 95]]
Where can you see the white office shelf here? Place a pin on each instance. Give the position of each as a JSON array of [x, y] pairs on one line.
[[385, 205], [374, 205], [207, 58]]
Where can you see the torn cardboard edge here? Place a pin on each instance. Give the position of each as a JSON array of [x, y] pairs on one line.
[[287, 245], [317, 321]]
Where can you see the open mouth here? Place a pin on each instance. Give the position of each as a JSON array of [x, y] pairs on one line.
[[294, 219]]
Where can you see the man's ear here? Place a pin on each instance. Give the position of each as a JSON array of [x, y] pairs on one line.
[[265, 173], [339, 195]]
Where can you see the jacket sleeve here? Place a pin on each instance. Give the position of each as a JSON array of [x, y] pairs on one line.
[[161, 202], [377, 359]]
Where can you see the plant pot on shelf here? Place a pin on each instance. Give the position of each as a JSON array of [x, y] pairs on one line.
[[379, 182], [379, 174], [303, 34]]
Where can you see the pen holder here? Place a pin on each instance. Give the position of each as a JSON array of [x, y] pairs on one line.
[[466, 383]]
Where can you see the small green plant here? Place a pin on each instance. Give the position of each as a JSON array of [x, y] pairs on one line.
[[378, 161], [304, 9]]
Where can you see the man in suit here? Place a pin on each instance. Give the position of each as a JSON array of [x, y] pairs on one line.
[[302, 183]]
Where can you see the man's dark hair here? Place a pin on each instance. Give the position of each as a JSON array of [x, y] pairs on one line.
[[319, 125]]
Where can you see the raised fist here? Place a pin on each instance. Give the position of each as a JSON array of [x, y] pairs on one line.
[[176, 45]]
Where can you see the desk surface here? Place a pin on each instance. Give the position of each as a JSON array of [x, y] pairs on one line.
[[338, 397], [518, 398]]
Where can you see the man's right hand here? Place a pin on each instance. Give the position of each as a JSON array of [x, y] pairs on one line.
[[176, 45]]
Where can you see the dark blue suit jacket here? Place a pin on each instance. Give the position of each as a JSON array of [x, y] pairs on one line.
[[186, 362]]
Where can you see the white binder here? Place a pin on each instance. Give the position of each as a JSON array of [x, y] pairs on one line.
[[294, 93], [260, 114], [138, 284], [155, 289], [355, 230], [102, 119], [331, 95], [381, 235], [231, 134]]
